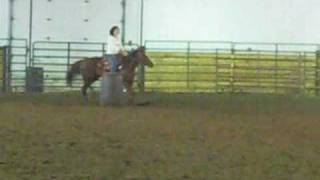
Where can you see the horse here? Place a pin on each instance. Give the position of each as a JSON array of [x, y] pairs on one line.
[[92, 69]]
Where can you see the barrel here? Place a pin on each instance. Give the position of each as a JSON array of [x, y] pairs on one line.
[[112, 89], [34, 79]]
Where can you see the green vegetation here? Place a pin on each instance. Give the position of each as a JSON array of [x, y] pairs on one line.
[[52, 136]]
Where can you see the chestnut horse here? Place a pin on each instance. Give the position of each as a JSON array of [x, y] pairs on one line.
[[92, 69]]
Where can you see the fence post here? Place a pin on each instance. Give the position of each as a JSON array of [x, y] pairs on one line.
[[232, 65], [141, 74], [2, 70], [276, 68], [258, 75], [68, 54], [188, 65], [300, 85], [217, 71], [141, 78], [31, 50], [317, 72], [103, 49], [304, 73], [6, 69]]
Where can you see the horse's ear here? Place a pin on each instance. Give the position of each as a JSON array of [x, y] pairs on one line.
[[142, 48]]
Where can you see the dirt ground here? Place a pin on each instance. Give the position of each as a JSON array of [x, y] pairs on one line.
[[178, 136]]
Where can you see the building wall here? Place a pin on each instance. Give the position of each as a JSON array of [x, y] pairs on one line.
[[232, 20], [4, 11], [75, 20], [227, 20], [61, 20]]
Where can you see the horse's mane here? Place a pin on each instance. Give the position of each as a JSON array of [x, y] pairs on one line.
[[133, 53]]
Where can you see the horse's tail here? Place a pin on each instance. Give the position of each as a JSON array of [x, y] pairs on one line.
[[73, 70]]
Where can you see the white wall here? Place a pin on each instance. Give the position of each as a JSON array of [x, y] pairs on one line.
[[62, 20], [4, 11], [75, 20], [233, 20], [227, 20], [20, 27], [133, 20]]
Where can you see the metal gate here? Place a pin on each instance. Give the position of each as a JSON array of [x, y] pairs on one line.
[[13, 62], [56, 57], [190, 66]]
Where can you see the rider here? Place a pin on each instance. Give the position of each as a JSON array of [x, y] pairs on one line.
[[114, 47]]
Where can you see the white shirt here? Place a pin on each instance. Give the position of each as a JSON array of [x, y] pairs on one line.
[[114, 45]]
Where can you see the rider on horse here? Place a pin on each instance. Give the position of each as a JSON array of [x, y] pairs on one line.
[[114, 48]]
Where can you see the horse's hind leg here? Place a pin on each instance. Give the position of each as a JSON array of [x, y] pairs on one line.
[[84, 94], [84, 91]]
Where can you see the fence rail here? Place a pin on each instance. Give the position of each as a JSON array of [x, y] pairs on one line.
[[56, 57], [185, 66], [17, 59]]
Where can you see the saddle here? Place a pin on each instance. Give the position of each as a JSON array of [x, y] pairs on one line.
[[104, 65]]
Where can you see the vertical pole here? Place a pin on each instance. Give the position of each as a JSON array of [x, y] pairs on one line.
[[8, 50], [276, 69], [141, 21], [68, 56], [304, 72], [26, 63], [103, 49], [300, 85], [141, 77], [30, 30], [317, 72], [34, 50], [2, 66], [258, 75], [123, 20], [232, 64], [7, 68], [217, 71], [68, 53], [11, 18]]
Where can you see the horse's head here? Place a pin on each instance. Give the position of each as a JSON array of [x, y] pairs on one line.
[[139, 55]]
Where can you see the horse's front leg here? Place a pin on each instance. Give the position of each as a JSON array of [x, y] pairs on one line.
[[85, 94], [130, 92], [131, 96], [84, 89]]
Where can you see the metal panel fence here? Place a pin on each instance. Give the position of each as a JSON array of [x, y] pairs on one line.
[[2, 68], [15, 68], [56, 57], [184, 66]]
